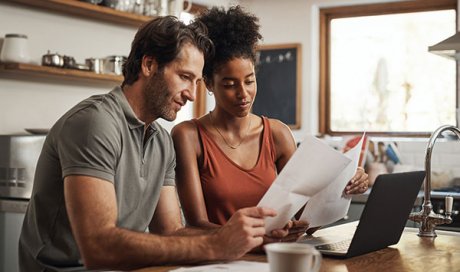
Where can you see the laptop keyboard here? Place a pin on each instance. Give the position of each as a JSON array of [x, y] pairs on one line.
[[338, 246]]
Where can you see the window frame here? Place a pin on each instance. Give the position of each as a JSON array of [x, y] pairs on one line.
[[327, 15]]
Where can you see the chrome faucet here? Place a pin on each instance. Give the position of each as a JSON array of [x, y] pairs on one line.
[[426, 217]]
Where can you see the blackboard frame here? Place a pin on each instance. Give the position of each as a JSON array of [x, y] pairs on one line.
[[268, 85]]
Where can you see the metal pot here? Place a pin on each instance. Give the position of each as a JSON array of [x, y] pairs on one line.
[[114, 65], [54, 59], [95, 2], [95, 65], [69, 62]]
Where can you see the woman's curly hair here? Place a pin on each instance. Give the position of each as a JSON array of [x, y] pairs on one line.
[[235, 34]]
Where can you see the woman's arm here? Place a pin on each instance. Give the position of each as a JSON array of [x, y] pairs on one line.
[[188, 154], [284, 143]]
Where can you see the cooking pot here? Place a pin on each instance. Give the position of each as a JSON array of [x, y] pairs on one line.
[[69, 62], [52, 59], [95, 65], [95, 2], [114, 65]]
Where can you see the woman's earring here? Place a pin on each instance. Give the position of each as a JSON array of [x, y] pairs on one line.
[[210, 93]]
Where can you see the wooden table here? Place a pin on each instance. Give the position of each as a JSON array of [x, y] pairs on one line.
[[412, 253]]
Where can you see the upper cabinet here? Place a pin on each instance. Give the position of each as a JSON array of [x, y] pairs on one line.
[[87, 10]]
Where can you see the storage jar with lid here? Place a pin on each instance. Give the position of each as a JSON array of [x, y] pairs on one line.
[[15, 48]]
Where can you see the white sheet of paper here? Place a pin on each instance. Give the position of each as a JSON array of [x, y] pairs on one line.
[[237, 266], [330, 205], [311, 168]]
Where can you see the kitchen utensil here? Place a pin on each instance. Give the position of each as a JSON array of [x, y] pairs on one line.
[[83, 67], [151, 7], [382, 152], [15, 49], [125, 5], [52, 59], [176, 7], [111, 3], [374, 170], [393, 153], [163, 9], [114, 65], [95, 2], [138, 7], [95, 65], [69, 62]]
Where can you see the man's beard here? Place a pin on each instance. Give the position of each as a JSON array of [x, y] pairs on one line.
[[158, 97]]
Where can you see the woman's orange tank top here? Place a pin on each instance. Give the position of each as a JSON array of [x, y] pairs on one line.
[[228, 187]]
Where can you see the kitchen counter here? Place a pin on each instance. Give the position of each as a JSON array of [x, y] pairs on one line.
[[412, 253]]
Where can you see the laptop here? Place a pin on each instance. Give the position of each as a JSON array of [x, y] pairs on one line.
[[382, 221]]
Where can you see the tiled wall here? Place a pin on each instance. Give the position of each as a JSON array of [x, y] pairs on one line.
[[445, 158], [445, 155]]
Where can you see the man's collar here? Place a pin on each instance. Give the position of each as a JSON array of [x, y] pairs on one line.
[[133, 121]]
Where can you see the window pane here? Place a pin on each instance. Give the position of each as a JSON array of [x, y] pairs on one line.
[[382, 77]]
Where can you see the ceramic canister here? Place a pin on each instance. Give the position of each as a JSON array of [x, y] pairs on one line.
[[15, 48]]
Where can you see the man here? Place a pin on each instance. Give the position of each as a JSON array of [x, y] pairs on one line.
[[106, 171]]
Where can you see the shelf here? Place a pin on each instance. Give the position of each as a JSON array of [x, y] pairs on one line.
[[87, 10], [54, 72]]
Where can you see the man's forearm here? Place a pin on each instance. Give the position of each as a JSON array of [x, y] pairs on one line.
[[124, 249], [192, 230]]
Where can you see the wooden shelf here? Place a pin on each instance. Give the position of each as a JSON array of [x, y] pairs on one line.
[[87, 10], [54, 72]]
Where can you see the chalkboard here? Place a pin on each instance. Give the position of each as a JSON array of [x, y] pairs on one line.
[[278, 83]]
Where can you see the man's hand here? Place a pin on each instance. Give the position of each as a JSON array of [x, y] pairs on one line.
[[243, 232]]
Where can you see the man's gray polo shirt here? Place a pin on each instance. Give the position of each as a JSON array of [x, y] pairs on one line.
[[100, 137]]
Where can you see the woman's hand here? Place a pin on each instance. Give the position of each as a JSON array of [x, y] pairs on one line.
[[358, 184], [290, 233]]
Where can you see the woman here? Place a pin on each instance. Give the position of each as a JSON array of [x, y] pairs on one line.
[[228, 158]]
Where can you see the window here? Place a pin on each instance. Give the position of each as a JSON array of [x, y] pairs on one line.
[[376, 72]]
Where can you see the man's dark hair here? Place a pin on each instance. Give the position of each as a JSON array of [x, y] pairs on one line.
[[235, 34], [162, 38]]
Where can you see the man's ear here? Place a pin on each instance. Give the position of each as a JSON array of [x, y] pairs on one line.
[[149, 66]]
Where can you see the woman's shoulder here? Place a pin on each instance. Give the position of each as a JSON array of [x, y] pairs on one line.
[[186, 128], [278, 127]]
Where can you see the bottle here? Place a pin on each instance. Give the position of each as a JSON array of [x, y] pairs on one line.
[[15, 49]]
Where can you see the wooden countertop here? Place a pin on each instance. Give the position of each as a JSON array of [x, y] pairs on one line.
[[412, 253]]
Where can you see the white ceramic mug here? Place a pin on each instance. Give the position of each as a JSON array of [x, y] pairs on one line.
[[293, 257], [176, 7]]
